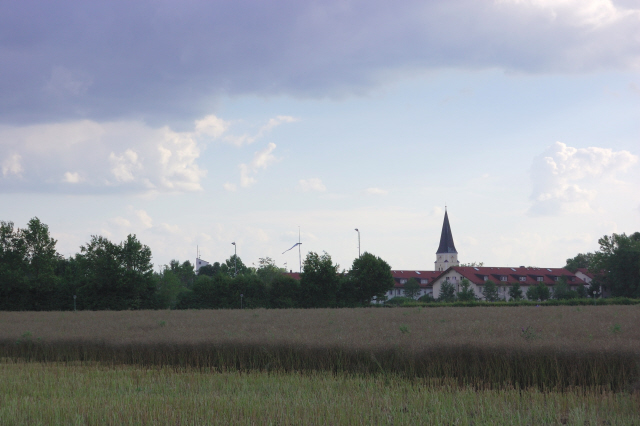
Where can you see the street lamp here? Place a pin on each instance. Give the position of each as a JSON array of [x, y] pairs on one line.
[[74, 302], [358, 241], [235, 259], [594, 297], [241, 296]]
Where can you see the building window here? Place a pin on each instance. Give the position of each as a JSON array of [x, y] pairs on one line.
[[522, 278], [486, 278], [503, 278], [539, 278], [423, 281], [556, 278], [403, 281]]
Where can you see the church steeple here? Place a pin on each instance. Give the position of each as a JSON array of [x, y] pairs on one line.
[[447, 255], [446, 238]]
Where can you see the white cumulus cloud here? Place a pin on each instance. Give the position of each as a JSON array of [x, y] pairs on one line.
[[246, 139], [261, 160], [11, 165], [144, 218], [70, 177], [313, 184], [377, 191], [567, 178]]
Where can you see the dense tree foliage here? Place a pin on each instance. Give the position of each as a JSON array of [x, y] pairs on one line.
[[447, 292], [581, 260], [562, 291], [370, 277], [515, 292], [319, 281], [108, 275], [466, 293], [412, 288], [490, 291], [538, 292], [617, 264]]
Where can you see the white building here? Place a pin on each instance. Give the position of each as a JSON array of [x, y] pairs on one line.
[[447, 269]]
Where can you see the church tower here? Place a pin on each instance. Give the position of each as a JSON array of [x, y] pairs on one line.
[[446, 256]]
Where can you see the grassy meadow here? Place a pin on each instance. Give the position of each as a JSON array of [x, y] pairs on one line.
[[553, 347], [95, 394]]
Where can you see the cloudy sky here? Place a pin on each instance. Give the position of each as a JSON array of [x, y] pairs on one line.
[[198, 123]]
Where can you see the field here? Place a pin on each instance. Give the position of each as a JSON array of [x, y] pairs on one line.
[[554, 364], [52, 394]]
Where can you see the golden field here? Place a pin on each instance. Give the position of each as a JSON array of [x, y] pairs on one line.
[[561, 347]]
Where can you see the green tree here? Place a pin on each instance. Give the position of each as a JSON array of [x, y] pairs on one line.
[[319, 281], [268, 271], [594, 289], [582, 291], [515, 292], [538, 292], [562, 291], [211, 270], [412, 288], [284, 292], [370, 277], [490, 291], [115, 276], [40, 251], [581, 260], [447, 292], [234, 266], [466, 293], [184, 272], [617, 264], [168, 287]]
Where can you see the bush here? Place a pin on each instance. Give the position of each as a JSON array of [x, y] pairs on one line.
[[397, 301], [427, 298]]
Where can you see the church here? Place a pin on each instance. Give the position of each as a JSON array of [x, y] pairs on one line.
[[447, 269]]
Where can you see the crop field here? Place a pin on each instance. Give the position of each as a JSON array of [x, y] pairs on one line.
[[558, 347], [94, 394], [507, 365]]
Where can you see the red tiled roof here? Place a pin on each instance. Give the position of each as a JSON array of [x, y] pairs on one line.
[[549, 275], [294, 275], [430, 276], [476, 275]]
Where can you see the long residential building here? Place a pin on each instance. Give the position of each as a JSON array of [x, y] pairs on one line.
[[448, 269]]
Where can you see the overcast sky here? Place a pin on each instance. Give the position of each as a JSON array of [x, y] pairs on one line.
[[197, 123]]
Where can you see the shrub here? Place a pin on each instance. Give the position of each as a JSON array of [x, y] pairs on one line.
[[447, 292]]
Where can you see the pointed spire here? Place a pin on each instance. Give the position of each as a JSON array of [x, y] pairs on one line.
[[446, 238]]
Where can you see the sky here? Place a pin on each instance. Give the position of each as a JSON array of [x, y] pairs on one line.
[[198, 124]]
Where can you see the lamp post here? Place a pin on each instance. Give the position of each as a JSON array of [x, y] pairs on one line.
[[74, 303], [358, 241], [594, 297], [241, 296], [235, 259]]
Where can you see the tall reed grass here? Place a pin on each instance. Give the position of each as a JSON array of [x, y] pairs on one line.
[[549, 348]]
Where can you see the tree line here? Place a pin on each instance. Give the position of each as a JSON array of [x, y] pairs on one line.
[[119, 276]]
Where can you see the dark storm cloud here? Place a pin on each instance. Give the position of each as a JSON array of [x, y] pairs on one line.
[[170, 60]]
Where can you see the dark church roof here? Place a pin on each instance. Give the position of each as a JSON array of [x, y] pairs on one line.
[[446, 239]]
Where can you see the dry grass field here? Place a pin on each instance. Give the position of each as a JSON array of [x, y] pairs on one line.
[[556, 347], [93, 394]]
